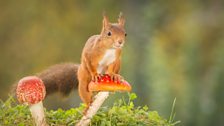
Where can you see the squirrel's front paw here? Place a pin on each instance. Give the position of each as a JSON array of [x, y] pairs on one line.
[[96, 77], [116, 77]]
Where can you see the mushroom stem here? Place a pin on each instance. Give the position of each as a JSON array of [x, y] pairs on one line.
[[37, 112], [93, 108]]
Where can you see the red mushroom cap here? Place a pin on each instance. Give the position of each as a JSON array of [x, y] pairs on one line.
[[30, 90], [105, 83]]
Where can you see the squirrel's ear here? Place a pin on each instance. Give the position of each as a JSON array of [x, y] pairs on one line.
[[121, 20], [105, 20]]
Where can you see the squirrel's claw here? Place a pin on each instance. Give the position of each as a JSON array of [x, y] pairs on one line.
[[116, 77], [96, 77]]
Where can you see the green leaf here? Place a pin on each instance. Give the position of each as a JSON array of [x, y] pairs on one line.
[[132, 96]]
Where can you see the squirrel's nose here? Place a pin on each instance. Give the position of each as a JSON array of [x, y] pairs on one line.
[[120, 42]]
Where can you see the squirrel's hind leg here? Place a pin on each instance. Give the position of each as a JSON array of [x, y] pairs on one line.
[[85, 95]]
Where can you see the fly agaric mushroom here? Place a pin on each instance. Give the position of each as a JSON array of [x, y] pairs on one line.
[[31, 91], [103, 85]]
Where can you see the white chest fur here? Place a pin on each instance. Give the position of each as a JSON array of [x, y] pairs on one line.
[[108, 58]]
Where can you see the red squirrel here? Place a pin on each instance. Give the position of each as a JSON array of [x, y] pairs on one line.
[[101, 55]]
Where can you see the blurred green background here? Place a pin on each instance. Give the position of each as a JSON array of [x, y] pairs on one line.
[[173, 49]]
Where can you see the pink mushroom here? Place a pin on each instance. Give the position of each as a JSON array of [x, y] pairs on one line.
[[31, 91]]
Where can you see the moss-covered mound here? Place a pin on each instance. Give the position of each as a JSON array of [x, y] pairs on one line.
[[122, 113]]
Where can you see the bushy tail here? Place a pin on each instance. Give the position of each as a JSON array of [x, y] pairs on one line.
[[60, 78]]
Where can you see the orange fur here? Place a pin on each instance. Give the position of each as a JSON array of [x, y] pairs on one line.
[[94, 51]]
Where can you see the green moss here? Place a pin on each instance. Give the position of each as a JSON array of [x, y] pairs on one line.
[[120, 114]]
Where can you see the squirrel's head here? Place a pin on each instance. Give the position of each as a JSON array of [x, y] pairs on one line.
[[113, 33]]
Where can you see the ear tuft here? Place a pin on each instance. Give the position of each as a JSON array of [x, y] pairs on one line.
[[121, 20], [105, 20]]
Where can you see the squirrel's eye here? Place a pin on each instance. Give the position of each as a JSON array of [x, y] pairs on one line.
[[109, 33], [125, 34]]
